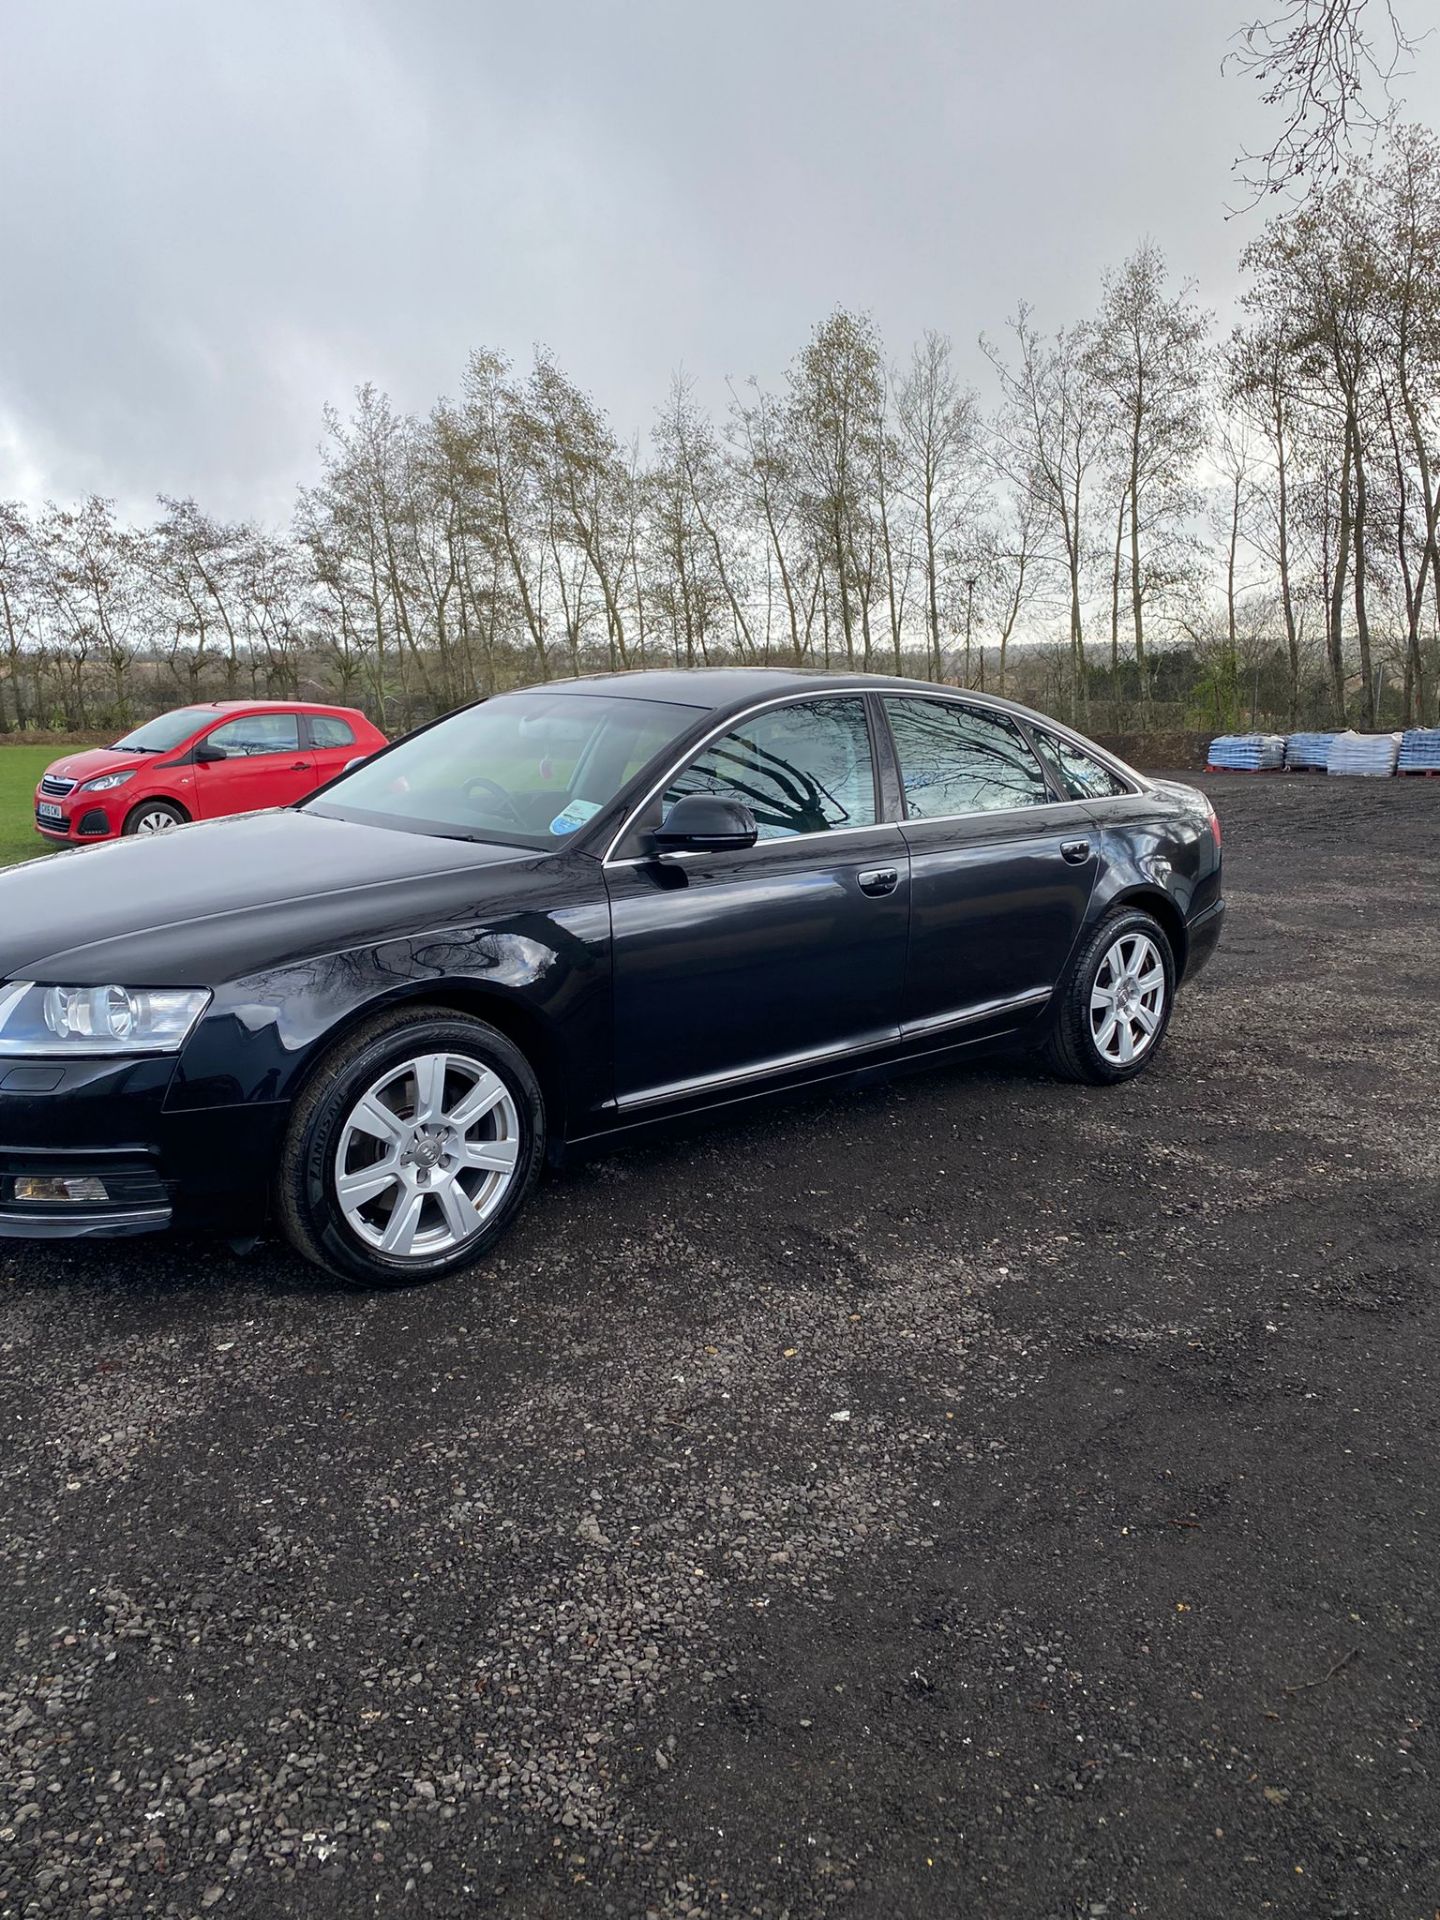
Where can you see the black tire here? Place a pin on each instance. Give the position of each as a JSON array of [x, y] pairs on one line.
[[305, 1193], [148, 809], [1072, 1050]]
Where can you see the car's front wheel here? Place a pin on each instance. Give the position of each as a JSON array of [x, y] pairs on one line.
[[415, 1145], [154, 816], [1115, 1006]]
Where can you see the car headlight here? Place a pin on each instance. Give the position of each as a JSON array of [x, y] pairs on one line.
[[106, 781], [40, 1019]]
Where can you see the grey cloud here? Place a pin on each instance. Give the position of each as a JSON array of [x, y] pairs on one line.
[[214, 219]]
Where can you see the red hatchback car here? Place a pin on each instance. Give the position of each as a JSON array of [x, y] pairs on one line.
[[197, 763]]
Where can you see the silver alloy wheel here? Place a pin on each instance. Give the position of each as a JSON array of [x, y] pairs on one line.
[[1127, 1001], [157, 821], [426, 1155]]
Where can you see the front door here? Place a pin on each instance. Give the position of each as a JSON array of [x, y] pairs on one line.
[[740, 968], [1001, 871], [264, 766]]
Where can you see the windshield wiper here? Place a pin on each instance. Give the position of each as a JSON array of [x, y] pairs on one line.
[[120, 747]]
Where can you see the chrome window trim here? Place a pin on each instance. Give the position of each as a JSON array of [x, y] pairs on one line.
[[1134, 782], [960, 696], [728, 725]]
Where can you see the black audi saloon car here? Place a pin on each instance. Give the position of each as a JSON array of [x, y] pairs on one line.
[[560, 916]]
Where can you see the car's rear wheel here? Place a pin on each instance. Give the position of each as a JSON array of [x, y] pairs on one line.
[[1116, 1004], [154, 816], [416, 1144]]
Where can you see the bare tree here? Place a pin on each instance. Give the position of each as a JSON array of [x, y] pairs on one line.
[[505, 446], [691, 454], [1048, 439], [591, 484], [1147, 356], [1260, 391], [17, 625], [940, 429], [763, 462], [1327, 66], [835, 405]]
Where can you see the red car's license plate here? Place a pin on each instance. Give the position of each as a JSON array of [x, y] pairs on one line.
[[48, 810]]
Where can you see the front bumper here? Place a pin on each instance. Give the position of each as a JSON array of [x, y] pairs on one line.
[[189, 1167], [91, 1223], [83, 817]]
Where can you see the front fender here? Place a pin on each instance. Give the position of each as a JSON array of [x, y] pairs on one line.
[[543, 972]]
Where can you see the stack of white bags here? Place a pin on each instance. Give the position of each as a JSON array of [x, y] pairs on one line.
[[1372, 755]]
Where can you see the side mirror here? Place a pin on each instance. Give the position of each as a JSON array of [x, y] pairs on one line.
[[205, 753], [706, 823]]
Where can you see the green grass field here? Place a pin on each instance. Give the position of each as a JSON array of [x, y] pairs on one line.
[[20, 768]]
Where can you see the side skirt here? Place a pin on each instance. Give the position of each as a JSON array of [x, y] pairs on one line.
[[733, 1102]]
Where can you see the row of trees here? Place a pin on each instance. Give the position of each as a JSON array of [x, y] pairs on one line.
[[1148, 524]]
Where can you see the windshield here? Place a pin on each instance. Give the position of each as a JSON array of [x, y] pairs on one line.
[[526, 769], [158, 736]]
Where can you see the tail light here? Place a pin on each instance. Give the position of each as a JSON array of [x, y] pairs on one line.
[[1214, 823]]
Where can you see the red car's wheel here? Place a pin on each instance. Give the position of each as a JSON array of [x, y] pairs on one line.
[[154, 816]]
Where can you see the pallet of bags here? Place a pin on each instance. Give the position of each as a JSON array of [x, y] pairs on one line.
[[1308, 752], [1419, 750], [1246, 753], [1369, 755]]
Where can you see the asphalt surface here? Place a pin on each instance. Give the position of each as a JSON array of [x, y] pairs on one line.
[[973, 1497]]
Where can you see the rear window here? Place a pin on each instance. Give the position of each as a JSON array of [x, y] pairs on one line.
[[956, 759], [327, 731], [1080, 774]]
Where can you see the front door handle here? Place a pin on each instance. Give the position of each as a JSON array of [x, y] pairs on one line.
[[877, 880], [1077, 852]]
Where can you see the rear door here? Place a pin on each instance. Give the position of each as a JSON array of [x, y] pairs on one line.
[[265, 765], [1002, 868], [332, 745], [736, 969]]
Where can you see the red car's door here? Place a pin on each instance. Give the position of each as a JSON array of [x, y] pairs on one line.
[[334, 744], [264, 765]]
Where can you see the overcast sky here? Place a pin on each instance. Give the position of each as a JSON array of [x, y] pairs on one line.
[[218, 215]]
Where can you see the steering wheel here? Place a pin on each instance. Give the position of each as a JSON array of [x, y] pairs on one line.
[[493, 787]]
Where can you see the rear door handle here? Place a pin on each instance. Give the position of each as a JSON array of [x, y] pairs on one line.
[[1077, 852], [876, 880]]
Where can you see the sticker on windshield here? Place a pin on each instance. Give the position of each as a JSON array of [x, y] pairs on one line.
[[574, 816]]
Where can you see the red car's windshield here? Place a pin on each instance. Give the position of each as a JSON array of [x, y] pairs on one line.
[[158, 736]]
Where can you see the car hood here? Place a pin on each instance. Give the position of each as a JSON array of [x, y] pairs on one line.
[[94, 761], [213, 902]]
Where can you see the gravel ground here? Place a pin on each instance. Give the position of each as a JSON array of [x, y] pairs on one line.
[[976, 1496]]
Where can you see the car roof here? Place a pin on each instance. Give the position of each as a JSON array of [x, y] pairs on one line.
[[714, 689], [267, 706]]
